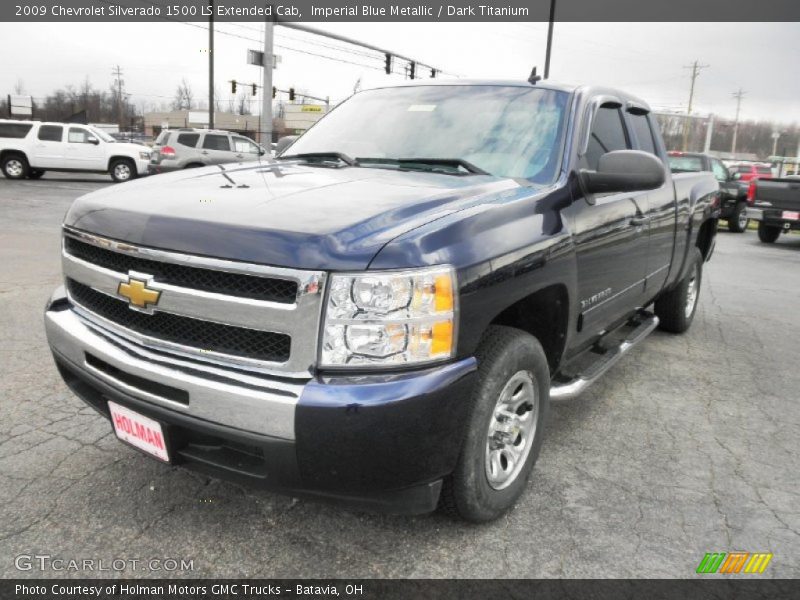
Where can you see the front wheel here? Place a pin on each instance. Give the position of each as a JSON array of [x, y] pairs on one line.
[[738, 221], [675, 309], [122, 170], [505, 427], [768, 233]]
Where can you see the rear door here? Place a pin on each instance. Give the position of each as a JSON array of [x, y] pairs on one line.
[[48, 147], [661, 204], [216, 149], [84, 150], [610, 234]]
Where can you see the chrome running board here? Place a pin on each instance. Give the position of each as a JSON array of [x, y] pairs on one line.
[[575, 386]]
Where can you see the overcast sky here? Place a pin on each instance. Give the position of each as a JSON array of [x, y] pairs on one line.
[[646, 59]]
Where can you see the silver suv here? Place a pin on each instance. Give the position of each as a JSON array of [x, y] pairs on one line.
[[186, 148]]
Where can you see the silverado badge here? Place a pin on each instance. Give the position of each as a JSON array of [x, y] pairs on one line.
[[137, 293]]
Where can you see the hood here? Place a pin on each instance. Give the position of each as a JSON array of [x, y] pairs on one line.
[[282, 214]]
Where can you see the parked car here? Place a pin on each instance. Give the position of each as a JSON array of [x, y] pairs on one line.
[[776, 207], [383, 317], [749, 171], [188, 148], [733, 190], [30, 148]]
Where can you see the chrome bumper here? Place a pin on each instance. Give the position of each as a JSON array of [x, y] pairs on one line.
[[755, 213], [224, 396]]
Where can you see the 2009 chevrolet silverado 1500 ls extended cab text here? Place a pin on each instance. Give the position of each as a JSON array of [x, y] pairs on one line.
[[383, 314]]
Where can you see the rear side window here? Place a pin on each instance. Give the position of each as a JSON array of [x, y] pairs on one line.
[[644, 134], [608, 134], [14, 130], [51, 133], [161, 140], [216, 142], [685, 164], [189, 139]]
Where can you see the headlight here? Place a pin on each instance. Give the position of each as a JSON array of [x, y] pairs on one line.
[[144, 155], [390, 318]]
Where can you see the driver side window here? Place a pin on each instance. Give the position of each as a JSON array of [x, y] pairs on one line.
[[608, 134]]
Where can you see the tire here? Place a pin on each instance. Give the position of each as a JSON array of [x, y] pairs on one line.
[[676, 309], [15, 166], [35, 174], [122, 170], [738, 221], [485, 483], [768, 233]]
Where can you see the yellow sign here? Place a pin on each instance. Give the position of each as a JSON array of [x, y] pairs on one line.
[[311, 108]]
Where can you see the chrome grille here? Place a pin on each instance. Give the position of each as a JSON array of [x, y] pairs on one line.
[[240, 315]]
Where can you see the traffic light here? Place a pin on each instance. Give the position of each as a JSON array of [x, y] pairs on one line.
[[388, 64], [255, 89], [291, 94], [233, 87], [412, 69], [433, 73], [274, 91]]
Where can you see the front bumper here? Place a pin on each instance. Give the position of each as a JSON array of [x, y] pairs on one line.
[[383, 442], [143, 166]]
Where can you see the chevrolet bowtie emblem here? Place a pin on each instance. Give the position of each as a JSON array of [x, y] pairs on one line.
[[137, 293]]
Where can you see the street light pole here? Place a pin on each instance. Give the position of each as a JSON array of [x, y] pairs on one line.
[[211, 66], [265, 128], [549, 39]]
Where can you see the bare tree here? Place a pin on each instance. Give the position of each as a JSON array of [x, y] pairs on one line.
[[243, 103], [184, 97]]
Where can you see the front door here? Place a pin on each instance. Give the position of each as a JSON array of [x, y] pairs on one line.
[[83, 150], [611, 238]]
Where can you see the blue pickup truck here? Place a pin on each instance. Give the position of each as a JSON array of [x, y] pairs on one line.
[[383, 314]]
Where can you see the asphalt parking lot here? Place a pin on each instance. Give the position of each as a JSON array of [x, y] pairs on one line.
[[688, 446]]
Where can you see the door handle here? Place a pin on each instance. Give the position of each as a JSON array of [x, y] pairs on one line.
[[239, 156], [637, 221], [204, 152]]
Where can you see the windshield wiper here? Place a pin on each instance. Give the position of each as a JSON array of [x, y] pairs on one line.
[[453, 163], [322, 156]]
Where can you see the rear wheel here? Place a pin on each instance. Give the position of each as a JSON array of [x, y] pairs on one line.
[[35, 174], [768, 233], [122, 169], [505, 428], [14, 166], [737, 222], [675, 309]]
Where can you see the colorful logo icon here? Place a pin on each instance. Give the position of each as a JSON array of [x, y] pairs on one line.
[[734, 562]]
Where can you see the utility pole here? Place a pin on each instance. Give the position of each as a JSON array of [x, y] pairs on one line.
[[738, 95], [118, 73], [696, 68], [265, 128], [709, 133], [211, 66], [549, 39]]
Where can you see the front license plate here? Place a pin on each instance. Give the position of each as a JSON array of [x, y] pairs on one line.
[[138, 430], [791, 215]]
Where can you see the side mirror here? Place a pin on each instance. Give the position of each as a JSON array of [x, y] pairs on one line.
[[736, 176], [92, 140], [261, 151], [624, 171], [284, 143]]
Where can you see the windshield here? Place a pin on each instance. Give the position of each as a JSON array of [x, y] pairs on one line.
[[685, 163], [102, 135], [502, 130]]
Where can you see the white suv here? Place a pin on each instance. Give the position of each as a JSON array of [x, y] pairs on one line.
[[29, 148]]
